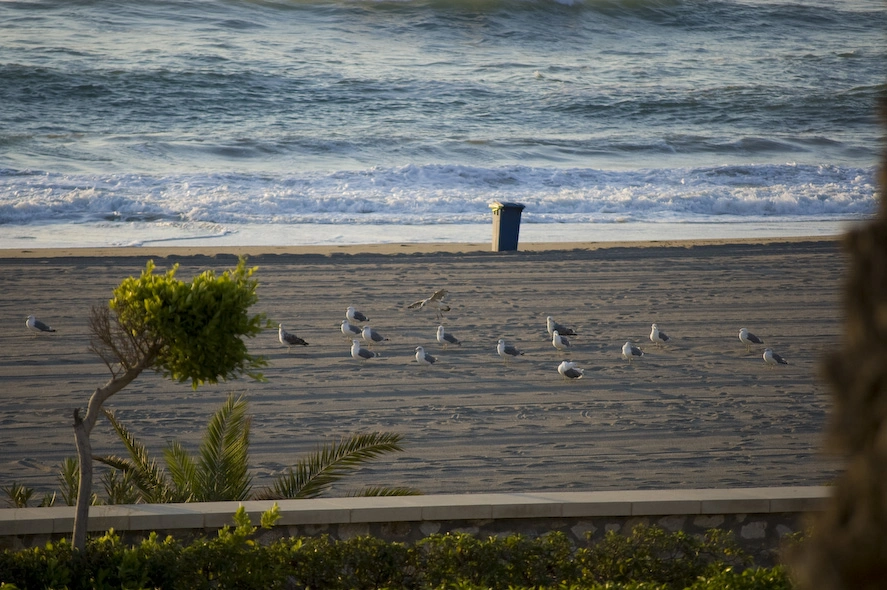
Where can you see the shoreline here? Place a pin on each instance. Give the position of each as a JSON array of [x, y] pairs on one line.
[[389, 248]]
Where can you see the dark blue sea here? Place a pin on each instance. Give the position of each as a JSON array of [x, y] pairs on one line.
[[302, 122]]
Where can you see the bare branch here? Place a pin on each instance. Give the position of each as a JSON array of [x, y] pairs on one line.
[[120, 348]]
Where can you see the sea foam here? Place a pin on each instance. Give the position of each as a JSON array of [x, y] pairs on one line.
[[435, 194]]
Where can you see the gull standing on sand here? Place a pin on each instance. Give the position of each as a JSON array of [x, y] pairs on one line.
[[772, 359], [748, 339], [37, 326], [350, 330], [361, 354], [437, 297], [657, 336], [552, 327], [569, 370], [507, 351], [289, 338], [371, 335], [559, 342], [446, 339], [423, 358], [355, 316], [630, 350]]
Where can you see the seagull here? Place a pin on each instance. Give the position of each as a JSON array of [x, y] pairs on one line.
[[773, 359], [446, 339], [506, 350], [355, 316], [349, 330], [629, 350], [748, 339], [437, 297], [361, 354], [552, 326], [569, 370], [559, 342], [423, 358], [657, 336], [288, 338], [371, 335], [36, 325]]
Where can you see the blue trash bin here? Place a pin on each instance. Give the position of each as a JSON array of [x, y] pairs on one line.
[[506, 225]]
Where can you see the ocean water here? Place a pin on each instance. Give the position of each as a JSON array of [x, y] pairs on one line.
[[368, 121]]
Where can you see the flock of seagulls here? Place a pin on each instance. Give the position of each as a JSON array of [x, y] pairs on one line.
[[567, 369], [558, 332]]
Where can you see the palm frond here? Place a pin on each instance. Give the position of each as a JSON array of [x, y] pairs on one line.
[[223, 464], [373, 491], [182, 471], [314, 475], [148, 475]]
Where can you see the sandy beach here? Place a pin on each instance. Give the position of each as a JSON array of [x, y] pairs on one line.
[[700, 412]]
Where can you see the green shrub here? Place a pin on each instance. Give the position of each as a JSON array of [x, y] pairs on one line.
[[652, 554], [648, 559]]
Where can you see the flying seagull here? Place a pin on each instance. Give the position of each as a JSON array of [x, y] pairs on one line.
[[748, 339], [361, 354], [36, 325], [289, 338], [630, 350], [657, 336], [569, 370], [506, 350], [772, 359], [371, 335], [446, 339], [559, 342], [355, 316], [437, 298], [350, 330], [552, 326], [423, 358]]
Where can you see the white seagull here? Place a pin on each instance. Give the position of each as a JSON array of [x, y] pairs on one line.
[[552, 326], [423, 358], [772, 359], [506, 350], [36, 325], [355, 316], [371, 335], [446, 339], [569, 370], [559, 342], [657, 336], [361, 354], [350, 330], [629, 350], [437, 298], [288, 338], [748, 339]]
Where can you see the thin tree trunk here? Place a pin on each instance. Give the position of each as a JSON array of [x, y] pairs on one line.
[[82, 428]]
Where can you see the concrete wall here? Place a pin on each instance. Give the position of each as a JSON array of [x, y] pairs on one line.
[[759, 517]]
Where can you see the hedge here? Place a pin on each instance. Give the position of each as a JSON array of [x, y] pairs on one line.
[[650, 558]]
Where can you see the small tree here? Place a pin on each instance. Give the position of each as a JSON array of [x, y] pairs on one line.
[[185, 331]]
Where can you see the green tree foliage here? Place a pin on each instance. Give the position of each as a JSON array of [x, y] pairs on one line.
[[197, 327]]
